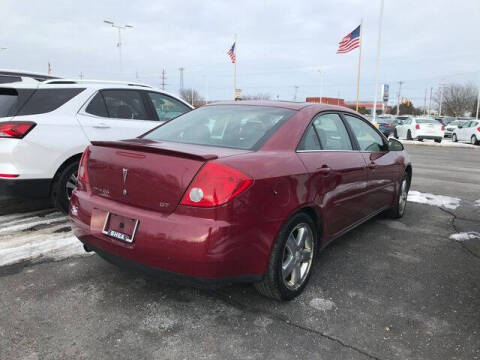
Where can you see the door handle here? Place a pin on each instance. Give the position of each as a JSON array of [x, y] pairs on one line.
[[101, 126], [324, 170]]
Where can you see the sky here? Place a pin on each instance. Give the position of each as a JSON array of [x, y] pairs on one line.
[[280, 44]]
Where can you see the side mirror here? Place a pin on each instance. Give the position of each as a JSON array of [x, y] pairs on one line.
[[459, 126], [395, 145]]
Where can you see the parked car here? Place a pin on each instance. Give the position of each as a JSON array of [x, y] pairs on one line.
[[385, 125], [12, 76], [450, 128], [45, 127], [467, 132], [420, 129], [241, 191]]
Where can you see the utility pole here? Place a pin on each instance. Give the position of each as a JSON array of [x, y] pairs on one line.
[[441, 100], [430, 101], [399, 93], [181, 69], [81, 75], [163, 77], [478, 103], [119, 44], [425, 103], [295, 93], [320, 83]]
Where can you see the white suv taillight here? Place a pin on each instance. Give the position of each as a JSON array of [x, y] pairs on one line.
[[15, 129]]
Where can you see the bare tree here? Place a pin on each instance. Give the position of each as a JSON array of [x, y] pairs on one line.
[[456, 99], [259, 96], [192, 96]]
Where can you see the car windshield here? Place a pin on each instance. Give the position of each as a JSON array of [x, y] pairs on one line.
[[426, 121], [232, 126]]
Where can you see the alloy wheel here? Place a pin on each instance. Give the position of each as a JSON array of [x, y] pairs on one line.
[[297, 256], [402, 201], [71, 185]]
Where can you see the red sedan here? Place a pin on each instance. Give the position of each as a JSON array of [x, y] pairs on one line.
[[244, 191]]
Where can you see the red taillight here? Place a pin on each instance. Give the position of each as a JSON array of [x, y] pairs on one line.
[[387, 125], [443, 127], [214, 185], [478, 129], [15, 129], [9, 176], [417, 127], [82, 170]]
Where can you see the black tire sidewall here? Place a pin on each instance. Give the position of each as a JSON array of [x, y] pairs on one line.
[[59, 195], [301, 217]]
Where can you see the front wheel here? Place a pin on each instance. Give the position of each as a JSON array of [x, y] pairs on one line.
[[395, 134], [473, 140], [398, 210], [65, 183], [409, 135], [438, 140], [454, 138], [290, 264]]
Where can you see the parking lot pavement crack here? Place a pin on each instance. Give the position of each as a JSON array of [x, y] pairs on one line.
[[454, 227], [283, 319]]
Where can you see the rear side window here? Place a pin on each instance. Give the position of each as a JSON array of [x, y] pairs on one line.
[[8, 100], [97, 106], [166, 107], [309, 140], [46, 100], [332, 133], [125, 104], [367, 137]]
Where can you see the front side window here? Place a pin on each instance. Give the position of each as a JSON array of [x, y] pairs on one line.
[[332, 133], [233, 126], [125, 104], [166, 107], [368, 139]]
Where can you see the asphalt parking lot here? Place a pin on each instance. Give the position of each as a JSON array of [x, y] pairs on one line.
[[390, 289]]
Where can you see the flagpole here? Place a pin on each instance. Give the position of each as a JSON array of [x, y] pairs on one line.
[[235, 70], [359, 62], [377, 60]]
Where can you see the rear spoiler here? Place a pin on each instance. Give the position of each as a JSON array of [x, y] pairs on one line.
[[143, 145]]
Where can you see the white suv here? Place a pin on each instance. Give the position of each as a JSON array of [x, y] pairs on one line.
[[469, 131], [45, 127]]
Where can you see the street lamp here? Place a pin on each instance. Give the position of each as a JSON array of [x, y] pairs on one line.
[[119, 44]]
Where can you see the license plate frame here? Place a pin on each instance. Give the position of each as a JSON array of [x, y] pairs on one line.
[[118, 235]]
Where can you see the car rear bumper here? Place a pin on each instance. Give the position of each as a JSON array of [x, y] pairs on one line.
[[430, 137], [203, 249], [25, 188]]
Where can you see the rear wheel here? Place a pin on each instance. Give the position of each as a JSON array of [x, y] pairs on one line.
[[420, 139], [438, 140], [395, 135], [291, 259], [454, 138], [473, 140], [63, 187], [409, 135], [398, 209]]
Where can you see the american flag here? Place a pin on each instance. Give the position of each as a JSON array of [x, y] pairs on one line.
[[231, 53], [349, 42]]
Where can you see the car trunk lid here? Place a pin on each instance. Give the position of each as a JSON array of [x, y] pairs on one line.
[[148, 174]]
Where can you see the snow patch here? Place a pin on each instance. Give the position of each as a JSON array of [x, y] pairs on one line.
[[447, 202], [444, 143], [463, 236], [477, 203], [322, 304]]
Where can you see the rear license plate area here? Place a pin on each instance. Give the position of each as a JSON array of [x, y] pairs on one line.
[[121, 228]]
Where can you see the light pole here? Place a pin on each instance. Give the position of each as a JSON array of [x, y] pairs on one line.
[[399, 93], [119, 44]]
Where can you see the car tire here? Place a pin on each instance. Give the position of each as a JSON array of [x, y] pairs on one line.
[[454, 137], [398, 209], [63, 186], [279, 281], [473, 140], [420, 139], [409, 135], [438, 140], [395, 135]]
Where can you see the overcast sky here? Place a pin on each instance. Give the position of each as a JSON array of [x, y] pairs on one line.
[[280, 43]]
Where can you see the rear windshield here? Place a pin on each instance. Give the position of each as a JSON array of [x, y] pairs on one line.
[[384, 121], [232, 126], [426, 121]]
